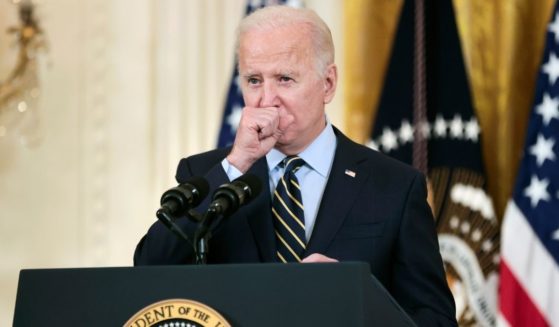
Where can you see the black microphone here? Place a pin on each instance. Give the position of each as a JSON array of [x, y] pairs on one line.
[[178, 200], [229, 197], [225, 201], [185, 196]]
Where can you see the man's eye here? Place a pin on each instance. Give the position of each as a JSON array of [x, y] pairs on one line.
[[252, 80], [285, 79]]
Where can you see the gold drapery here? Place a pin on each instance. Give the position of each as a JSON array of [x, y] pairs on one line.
[[502, 41]]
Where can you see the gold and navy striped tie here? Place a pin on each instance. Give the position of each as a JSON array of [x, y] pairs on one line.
[[288, 213]]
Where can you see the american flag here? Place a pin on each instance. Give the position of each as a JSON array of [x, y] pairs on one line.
[[529, 289], [234, 104]]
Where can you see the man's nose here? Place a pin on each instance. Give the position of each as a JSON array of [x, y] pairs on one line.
[[269, 95]]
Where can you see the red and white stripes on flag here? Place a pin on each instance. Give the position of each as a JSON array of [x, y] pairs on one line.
[[529, 283]]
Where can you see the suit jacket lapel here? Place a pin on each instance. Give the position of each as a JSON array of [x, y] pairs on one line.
[[337, 201], [259, 215], [346, 179]]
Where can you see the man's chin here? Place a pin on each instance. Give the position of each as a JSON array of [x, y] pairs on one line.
[[283, 141], [287, 145]]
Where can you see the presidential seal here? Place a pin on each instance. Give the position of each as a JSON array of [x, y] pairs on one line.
[[468, 233], [177, 313]]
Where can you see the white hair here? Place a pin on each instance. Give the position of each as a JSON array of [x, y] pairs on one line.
[[272, 17]]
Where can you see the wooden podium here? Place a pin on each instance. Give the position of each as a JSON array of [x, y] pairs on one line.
[[340, 294]]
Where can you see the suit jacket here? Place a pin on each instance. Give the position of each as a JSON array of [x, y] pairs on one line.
[[379, 216]]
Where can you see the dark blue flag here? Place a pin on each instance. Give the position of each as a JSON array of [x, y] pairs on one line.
[[450, 151]]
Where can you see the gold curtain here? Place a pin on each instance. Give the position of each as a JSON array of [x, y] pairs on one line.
[[502, 41]]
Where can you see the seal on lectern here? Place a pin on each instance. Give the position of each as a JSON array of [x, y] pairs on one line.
[[177, 313]]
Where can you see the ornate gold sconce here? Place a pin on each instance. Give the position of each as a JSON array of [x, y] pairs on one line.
[[19, 93]]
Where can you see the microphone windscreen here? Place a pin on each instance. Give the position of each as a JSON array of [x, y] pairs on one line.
[[253, 183], [201, 185]]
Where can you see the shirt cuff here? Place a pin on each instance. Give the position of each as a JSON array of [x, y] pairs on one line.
[[230, 170]]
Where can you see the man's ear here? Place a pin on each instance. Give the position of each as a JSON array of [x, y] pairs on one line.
[[330, 82]]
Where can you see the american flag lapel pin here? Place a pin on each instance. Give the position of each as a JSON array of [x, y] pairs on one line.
[[350, 173]]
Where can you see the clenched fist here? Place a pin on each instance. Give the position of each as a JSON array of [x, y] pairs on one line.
[[258, 132]]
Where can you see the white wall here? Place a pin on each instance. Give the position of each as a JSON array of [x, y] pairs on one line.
[[128, 88]]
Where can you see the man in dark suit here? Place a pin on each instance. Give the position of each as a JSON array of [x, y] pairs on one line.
[[325, 198]]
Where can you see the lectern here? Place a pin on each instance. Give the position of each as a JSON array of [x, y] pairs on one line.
[[340, 294]]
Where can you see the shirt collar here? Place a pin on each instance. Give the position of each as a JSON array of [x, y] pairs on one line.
[[318, 155]]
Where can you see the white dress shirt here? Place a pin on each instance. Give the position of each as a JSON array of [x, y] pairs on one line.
[[312, 176]]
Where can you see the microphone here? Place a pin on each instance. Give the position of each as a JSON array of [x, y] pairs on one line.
[[230, 196], [178, 200], [186, 195], [225, 201]]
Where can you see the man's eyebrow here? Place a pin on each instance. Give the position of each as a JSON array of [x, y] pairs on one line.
[[277, 73], [247, 75]]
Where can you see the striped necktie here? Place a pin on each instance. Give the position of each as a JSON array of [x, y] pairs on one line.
[[288, 213]]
